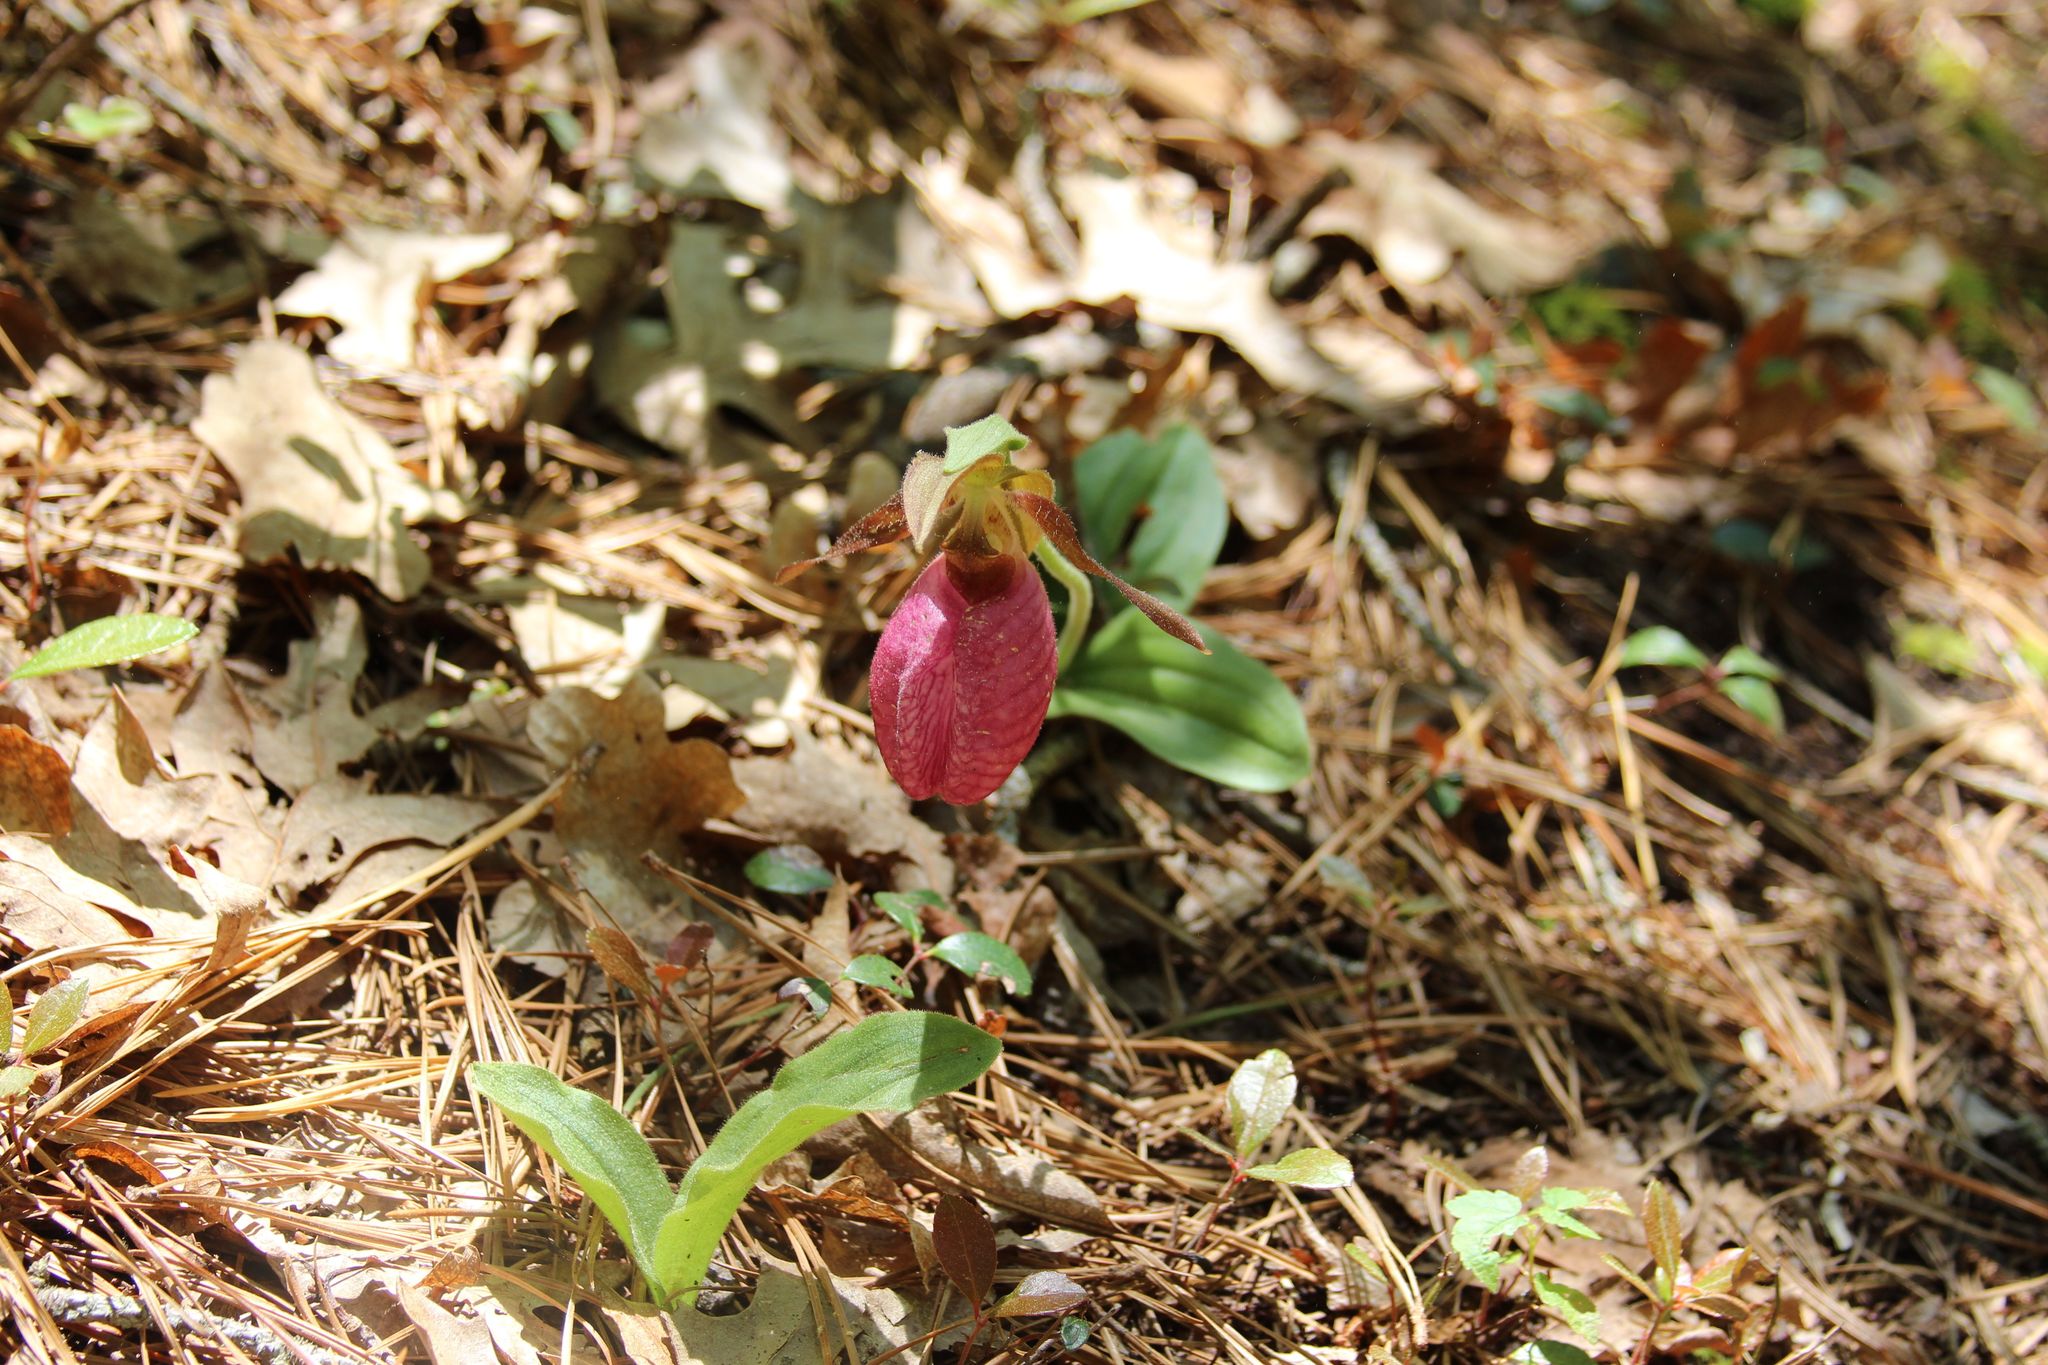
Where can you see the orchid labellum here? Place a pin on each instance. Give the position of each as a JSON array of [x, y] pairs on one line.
[[965, 668]]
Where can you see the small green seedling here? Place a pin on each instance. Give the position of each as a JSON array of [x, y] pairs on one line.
[[1674, 1286], [109, 640], [886, 1064], [975, 954], [1743, 675], [52, 1016], [964, 1244], [1486, 1228], [1257, 1098]]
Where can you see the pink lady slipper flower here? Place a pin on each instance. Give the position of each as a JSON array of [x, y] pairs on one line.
[[965, 668]]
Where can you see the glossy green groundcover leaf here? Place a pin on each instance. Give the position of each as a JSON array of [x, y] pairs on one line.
[[905, 908], [980, 955], [1757, 697], [1221, 715], [790, 869], [109, 640], [1308, 1168], [1660, 645], [888, 1063], [1172, 478]]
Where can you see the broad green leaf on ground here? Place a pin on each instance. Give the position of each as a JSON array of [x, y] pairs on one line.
[[871, 969], [594, 1143], [109, 640], [790, 868], [979, 955], [1257, 1098], [1219, 715], [313, 477], [1757, 697], [1309, 1168], [1479, 1219], [1156, 506], [887, 1063], [1663, 646]]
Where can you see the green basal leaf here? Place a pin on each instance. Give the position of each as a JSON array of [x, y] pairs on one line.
[[109, 640], [1573, 1305], [1746, 661], [1310, 1168], [980, 955], [790, 868], [885, 1064], [904, 907], [1479, 1219], [872, 969], [1757, 697], [1172, 478], [1661, 646], [55, 1015], [15, 1080], [1220, 715], [992, 435], [1257, 1099], [595, 1144]]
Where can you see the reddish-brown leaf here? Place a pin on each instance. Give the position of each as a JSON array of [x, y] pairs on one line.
[[35, 786], [883, 526], [965, 1242], [1060, 531]]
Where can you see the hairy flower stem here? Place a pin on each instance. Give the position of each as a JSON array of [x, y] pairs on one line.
[[1080, 600]]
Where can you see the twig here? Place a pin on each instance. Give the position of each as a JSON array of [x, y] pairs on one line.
[[81, 1308]]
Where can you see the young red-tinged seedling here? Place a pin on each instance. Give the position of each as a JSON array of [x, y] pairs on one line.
[[1673, 1284], [964, 1243], [1486, 1225], [1258, 1097]]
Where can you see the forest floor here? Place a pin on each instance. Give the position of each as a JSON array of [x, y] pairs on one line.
[[1627, 443]]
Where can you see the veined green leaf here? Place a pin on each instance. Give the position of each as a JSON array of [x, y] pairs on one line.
[[885, 1064], [1257, 1099], [1172, 477], [1573, 1305], [1479, 1219], [1308, 1168], [109, 640], [595, 1144], [903, 907], [1220, 715], [872, 969], [54, 1015]]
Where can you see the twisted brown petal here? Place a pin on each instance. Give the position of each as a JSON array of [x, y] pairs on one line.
[[883, 526], [1060, 531]]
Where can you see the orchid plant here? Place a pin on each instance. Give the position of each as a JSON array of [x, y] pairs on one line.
[[965, 669]]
